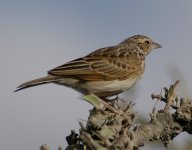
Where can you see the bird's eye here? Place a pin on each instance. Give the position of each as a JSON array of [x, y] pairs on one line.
[[147, 42]]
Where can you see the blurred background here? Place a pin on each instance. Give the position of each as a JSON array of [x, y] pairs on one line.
[[38, 35]]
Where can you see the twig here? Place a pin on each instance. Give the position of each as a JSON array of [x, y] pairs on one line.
[[105, 104], [171, 96], [160, 98]]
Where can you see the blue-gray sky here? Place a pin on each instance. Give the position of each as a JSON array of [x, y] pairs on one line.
[[36, 36]]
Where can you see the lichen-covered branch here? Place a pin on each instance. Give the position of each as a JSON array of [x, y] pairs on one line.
[[109, 129]]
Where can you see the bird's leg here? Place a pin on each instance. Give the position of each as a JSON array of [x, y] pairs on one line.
[[106, 104], [109, 101], [115, 101]]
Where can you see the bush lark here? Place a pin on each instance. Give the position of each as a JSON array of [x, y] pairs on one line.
[[105, 72]]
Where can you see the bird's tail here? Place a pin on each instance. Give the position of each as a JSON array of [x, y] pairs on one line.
[[38, 81]]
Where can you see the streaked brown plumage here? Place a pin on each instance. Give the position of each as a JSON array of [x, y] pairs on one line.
[[105, 72]]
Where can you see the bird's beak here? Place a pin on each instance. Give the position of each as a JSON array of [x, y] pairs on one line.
[[155, 45]]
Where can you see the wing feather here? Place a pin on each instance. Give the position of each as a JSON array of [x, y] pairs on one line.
[[96, 66]]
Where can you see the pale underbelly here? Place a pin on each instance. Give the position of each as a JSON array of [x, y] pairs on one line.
[[100, 88], [109, 86]]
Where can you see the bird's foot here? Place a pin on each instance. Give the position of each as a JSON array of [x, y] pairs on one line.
[[113, 102]]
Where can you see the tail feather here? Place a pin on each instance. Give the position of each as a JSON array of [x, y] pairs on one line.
[[36, 82]]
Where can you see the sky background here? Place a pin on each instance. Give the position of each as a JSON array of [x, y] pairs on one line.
[[36, 36]]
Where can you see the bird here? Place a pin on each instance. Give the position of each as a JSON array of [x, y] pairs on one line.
[[104, 72]]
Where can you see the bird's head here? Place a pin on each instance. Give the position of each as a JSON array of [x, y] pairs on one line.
[[144, 43]]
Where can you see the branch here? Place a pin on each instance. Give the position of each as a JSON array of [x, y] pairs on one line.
[[111, 127], [171, 96]]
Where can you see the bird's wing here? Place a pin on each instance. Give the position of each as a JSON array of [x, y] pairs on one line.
[[100, 67]]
